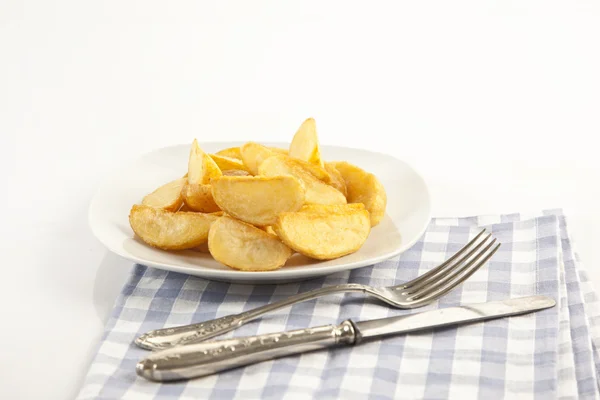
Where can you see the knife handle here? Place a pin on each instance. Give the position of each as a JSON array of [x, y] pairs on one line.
[[201, 359]]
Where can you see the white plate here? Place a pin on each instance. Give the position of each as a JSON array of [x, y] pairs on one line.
[[407, 216]]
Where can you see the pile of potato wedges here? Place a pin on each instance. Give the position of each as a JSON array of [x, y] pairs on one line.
[[252, 207]]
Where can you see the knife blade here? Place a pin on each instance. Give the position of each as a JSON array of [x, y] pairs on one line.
[[207, 358]]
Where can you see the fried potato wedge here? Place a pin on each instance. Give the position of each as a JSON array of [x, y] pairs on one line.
[[317, 192], [324, 232], [279, 150], [332, 208], [228, 163], [363, 187], [305, 144], [254, 154], [257, 200], [318, 172], [201, 167], [336, 179], [231, 152], [245, 247], [170, 230], [203, 248], [167, 197], [198, 197], [236, 172]]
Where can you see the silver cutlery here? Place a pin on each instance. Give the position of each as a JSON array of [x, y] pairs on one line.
[[416, 293], [201, 359]]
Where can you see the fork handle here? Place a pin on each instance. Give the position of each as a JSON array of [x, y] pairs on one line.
[[201, 359], [186, 334]]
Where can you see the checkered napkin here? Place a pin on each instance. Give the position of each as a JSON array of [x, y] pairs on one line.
[[549, 354]]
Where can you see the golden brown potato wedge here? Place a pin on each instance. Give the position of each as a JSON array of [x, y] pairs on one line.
[[198, 197], [318, 172], [201, 168], [257, 200], [185, 208], [253, 155], [324, 232], [336, 179], [305, 144], [167, 197], [169, 230], [279, 150], [245, 247], [228, 163], [231, 152], [332, 208], [317, 192], [363, 187], [203, 248], [236, 172]]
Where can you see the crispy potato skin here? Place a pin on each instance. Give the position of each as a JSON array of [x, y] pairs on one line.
[[364, 187], [245, 247], [257, 200], [324, 232], [169, 230], [167, 197], [317, 192], [198, 197]]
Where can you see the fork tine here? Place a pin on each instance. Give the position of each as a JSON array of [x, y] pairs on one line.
[[446, 265], [450, 276], [446, 275], [431, 294]]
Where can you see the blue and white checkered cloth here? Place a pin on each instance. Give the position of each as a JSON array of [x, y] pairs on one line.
[[546, 355]]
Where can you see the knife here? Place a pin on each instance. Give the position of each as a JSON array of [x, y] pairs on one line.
[[207, 358]]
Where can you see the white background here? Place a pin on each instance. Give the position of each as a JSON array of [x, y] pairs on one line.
[[497, 103]]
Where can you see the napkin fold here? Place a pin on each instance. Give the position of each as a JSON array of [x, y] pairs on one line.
[[549, 354]]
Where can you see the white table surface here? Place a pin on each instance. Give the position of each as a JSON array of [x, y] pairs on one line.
[[496, 102]]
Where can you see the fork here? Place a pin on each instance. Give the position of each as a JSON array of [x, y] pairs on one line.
[[416, 293]]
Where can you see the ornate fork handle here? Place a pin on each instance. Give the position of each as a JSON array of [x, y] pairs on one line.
[[168, 337]]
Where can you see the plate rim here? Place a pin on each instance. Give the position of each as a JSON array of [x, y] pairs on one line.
[[256, 276]]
